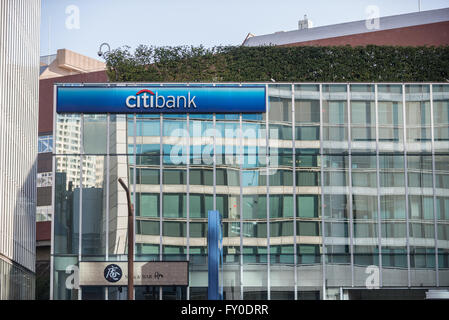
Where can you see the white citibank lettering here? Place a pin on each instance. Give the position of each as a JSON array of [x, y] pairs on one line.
[[146, 101]]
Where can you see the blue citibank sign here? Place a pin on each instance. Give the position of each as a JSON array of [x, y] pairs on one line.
[[161, 99]]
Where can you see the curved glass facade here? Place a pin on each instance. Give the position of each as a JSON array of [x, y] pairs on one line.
[[336, 186]]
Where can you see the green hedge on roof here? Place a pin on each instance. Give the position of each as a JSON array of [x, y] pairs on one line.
[[283, 64]]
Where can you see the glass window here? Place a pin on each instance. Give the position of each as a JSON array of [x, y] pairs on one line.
[[364, 207], [222, 205], [365, 256], [280, 100], [198, 229], [442, 208], [94, 133], [392, 207], [337, 229], [66, 204], [147, 205], [261, 230], [307, 178], [220, 177], [201, 177], [146, 127], [148, 154], [418, 113], [174, 154], [391, 161], [365, 230], [308, 254], [233, 177], [198, 128], [392, 179], [441, 115], [421, 207], [147, 176], [195, 206], [276, 206], [174, 128], [443, 231], [145, 248], [45, 144], [390, 116], [394, 257], [208, 177], [275, 229], [250, 178], [308, 228], [147, 227], [174, 177], [307, 206], [390, 113], [195, 176], [335, 206], [282, 132], [307, 133], [337, 111], [338, 254], [336, 178], [174, 205], [174, 229], [334, 120], [287, 206], [200, 204], [364, 179], [307, 111], [306, 157], [393, 230], [363, 121], [254, 207]]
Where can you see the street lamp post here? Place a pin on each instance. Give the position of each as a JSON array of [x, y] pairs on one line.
[[105, 55], [130, 242], [100, 52]]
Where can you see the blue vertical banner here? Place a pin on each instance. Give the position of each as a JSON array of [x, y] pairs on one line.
[[215, 255]]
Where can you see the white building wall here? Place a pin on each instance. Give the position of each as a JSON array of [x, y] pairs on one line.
[[19, 105]]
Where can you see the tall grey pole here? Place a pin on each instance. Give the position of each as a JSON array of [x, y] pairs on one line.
[[130, 242]]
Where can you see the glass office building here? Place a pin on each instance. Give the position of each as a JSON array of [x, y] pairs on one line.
[[335, 190]]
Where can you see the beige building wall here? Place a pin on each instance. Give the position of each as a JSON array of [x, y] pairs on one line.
[[69, 63]]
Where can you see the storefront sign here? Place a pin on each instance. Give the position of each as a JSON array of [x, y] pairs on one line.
[[155, 273], [160, 99]]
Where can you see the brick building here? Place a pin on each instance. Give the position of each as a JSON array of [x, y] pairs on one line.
[[425, 28]]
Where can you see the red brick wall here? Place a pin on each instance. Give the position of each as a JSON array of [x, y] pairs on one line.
[[46, 95], [43, 230], [435, 34]]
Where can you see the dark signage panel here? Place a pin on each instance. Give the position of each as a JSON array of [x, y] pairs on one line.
[[154, 273]]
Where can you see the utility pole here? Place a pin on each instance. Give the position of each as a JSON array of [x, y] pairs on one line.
[[130, 242]]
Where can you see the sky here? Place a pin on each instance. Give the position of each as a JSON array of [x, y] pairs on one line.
[[82, 25]]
